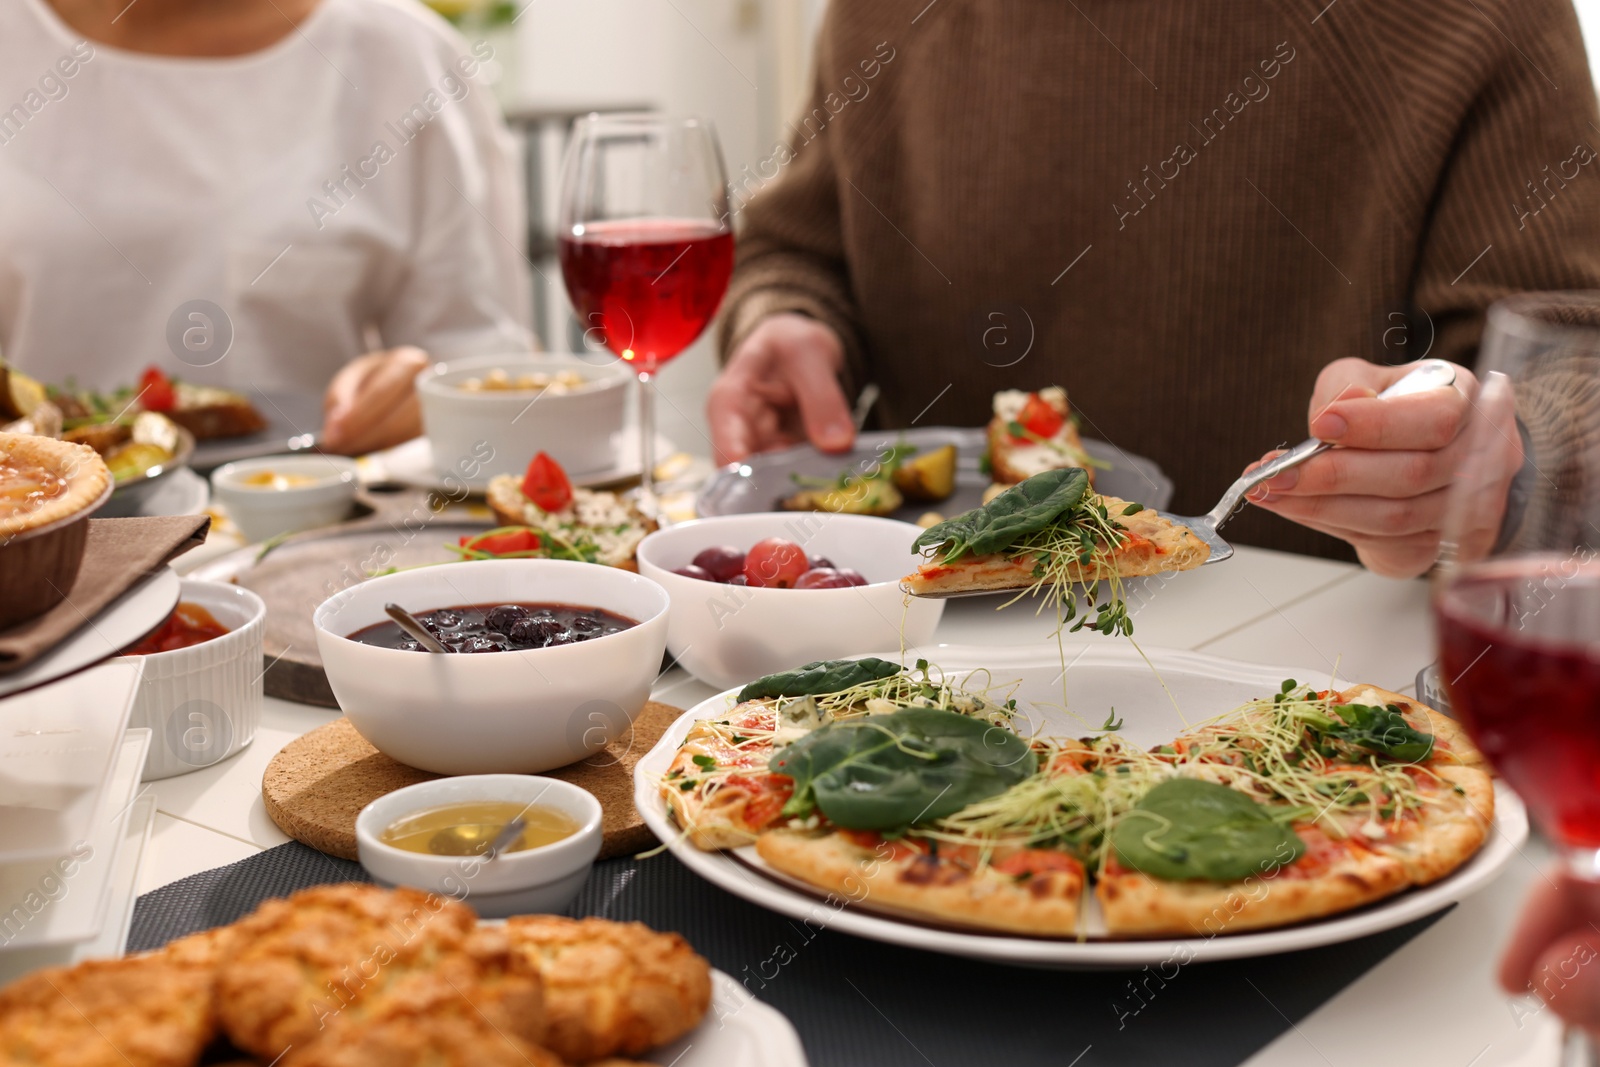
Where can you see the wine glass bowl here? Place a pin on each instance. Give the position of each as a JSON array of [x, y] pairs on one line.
[[645, 240], [1517, 593]]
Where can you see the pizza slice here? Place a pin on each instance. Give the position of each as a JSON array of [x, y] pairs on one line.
[[727, 783], [1053, 532], [1031, 433], [1293, 808]]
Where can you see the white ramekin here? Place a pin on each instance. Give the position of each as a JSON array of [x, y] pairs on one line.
[[203, 703], [262, 513], [535, 880]]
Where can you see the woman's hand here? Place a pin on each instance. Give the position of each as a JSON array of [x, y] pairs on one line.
[[1383, 489], [781, 387], [1555, 951], [371, 402]]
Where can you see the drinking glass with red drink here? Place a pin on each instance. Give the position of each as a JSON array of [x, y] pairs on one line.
[[1517, 594], [646, 244]]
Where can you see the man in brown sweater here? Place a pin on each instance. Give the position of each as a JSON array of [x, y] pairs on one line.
[[1195, 217]]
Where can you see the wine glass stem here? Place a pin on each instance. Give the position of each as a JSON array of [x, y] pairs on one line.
[[647, 444]]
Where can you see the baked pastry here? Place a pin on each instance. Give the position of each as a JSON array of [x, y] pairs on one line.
[[47, 488], [612, 987], [334, 955], [143, 1011]]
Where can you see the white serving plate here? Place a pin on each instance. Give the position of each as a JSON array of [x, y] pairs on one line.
[[77, 912], [411, 464], [57, 752], [738, 1030], [1098, 678], [121, 623]]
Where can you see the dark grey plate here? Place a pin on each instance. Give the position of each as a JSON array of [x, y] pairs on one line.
[[759, 483], [294, 420]]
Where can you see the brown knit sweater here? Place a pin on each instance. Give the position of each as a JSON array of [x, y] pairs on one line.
[[1179, 211]]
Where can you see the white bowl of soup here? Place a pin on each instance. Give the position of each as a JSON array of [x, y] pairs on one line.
[[549, 681], [511, 408], [435, 836]]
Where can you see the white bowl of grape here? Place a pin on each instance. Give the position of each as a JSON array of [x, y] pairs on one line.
[[761, 593]]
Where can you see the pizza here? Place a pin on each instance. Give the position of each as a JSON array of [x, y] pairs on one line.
[[1031, 433], [1290, 808], [1051, 532]]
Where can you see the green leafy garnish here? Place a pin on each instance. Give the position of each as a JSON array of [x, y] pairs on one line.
[[1026, 508], [887, 772], [1382, 730], [1112, 722], [1185, 829], [818, 677]]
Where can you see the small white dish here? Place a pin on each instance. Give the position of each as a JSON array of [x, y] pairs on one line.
[[727, 635], [516, 712], [203, 703], [530, 881], [465, 426], [263, 511], [64, 898], [58, 746]]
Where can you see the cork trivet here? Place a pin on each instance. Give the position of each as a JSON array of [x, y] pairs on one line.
[[316, 786]]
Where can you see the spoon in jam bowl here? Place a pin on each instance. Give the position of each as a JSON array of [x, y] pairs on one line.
[[408, 622]]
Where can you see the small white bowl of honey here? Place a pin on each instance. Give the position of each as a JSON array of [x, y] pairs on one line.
[[436, 836], [283, 494]]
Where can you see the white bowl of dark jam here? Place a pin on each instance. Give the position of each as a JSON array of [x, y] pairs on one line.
[[550, 661]]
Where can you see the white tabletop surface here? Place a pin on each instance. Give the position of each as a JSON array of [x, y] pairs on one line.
[[1432, 1002]]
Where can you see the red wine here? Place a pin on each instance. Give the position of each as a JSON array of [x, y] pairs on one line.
[[1520, 653], [646, 288]]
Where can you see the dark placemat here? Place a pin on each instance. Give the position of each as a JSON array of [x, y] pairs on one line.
[[861, 1002]]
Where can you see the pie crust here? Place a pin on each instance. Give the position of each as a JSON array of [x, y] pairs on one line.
[[45, 481]]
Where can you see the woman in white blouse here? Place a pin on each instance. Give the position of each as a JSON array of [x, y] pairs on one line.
[[327, 181]]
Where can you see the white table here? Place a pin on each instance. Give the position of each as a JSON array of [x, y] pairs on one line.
[[1432, 1002]]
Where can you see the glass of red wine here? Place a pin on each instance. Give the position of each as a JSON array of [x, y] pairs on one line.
[[1517, 594], [645, 240]]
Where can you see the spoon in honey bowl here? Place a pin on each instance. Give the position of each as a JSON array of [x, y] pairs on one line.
[[408, 622], [467, 839]]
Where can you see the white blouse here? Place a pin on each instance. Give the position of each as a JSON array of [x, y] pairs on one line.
[[351, 183]]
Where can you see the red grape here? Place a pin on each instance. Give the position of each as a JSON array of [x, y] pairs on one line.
[[822, 563], [823, 578], [737, 579], [852, 576], [775, 563], [721, 562], [698, 573]]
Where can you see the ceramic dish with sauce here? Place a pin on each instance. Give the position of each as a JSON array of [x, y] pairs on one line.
[[543, 878], [283, 494], [202, 689]]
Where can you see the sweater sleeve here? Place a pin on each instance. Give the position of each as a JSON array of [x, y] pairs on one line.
[[1518, 205], [791, 246]]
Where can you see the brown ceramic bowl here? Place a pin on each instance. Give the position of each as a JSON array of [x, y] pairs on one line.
[[41, 547]]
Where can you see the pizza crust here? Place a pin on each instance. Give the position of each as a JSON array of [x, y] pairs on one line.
[[1046, 904], [1137, 905]]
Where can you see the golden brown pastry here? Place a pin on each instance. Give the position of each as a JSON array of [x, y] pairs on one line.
[[335, 955], [612, 988], [143, 1011]]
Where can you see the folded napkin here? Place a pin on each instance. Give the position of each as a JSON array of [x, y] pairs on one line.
[[119, 552]]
